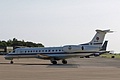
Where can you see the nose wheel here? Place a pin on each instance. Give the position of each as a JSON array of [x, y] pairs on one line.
[[11, 62], [64, 61]]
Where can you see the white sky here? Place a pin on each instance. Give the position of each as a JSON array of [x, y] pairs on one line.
[[60, 22]]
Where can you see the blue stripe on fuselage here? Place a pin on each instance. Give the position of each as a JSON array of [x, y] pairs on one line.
[[50, 53]]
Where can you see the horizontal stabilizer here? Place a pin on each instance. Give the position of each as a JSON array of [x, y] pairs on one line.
[[106, 31]]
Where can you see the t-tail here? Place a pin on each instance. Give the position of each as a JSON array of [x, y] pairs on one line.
[[98, 38]]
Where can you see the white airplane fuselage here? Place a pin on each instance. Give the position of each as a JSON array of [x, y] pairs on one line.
[[61, 53], [49, 52]]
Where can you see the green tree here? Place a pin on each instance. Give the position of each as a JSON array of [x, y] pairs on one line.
[[15, 42], [3, 44]]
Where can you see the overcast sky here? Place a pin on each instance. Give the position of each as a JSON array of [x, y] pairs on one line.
[[60, 22]]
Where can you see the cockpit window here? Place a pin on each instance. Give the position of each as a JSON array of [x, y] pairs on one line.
[[13, 51]]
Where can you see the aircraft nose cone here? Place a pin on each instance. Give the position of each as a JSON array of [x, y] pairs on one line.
[[7, 57]]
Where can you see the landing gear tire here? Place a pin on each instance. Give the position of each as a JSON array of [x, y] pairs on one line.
[[54, 62], [64, 61], [87, 56], [11, 62]]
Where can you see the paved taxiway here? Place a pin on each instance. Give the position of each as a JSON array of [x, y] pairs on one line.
[[76, 69]]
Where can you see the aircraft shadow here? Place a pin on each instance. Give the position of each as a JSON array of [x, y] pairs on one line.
[[56, 65], [4, 63], [24, 63], [63, 66], [47, 65]]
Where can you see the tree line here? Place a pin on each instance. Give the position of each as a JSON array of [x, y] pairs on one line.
[[15, 42]]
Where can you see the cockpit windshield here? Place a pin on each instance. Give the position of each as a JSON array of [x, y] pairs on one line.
[[13, 51]]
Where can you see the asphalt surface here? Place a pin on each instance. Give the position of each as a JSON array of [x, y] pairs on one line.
[[77, 69]]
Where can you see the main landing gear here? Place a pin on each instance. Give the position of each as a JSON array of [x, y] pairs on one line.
[[55, 62]]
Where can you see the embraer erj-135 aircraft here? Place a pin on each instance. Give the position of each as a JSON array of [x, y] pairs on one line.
[[61, 53]]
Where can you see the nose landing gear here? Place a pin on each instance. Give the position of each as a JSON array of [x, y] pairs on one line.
[[64, 61], [11, 62]]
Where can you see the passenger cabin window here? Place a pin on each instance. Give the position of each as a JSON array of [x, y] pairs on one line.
[[39, 50], [14, 51], [20, 51], [48, 50]]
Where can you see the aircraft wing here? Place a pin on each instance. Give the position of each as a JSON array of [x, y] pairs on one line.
[[55, 56], [43, 56]]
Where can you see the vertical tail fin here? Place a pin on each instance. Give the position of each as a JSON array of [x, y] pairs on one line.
[[104, 46], [99, 37]]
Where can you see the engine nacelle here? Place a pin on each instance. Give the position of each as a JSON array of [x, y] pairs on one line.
[[96, 54], [91, 48], [72, 48]]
